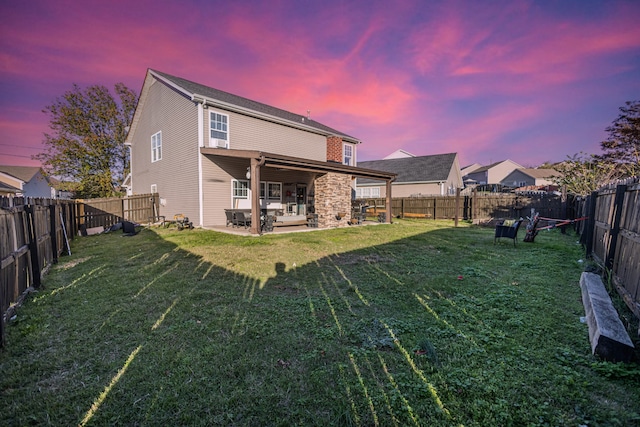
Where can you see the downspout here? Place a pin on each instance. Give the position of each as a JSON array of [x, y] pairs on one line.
[[200, 144]]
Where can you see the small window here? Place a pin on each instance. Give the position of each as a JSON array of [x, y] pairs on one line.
[[154, 188], [156, 147], [347, 155], [275, 191], [219, 128], [363, 193], [240, 189]]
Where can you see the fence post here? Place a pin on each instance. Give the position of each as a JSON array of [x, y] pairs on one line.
[[615, 226], [474, 203], [33, 244], [590, 228], [457, 205], [53, 232]]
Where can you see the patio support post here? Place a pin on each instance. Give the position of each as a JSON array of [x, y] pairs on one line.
[[388, 202], [255, 195]]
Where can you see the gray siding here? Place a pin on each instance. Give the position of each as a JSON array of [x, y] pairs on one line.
[[176, 175], [249, 133]]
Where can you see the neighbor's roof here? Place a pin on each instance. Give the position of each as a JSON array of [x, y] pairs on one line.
[[23, 173], [492, 165], [435, 168], [221, 98], [540, 173], [6, 188]]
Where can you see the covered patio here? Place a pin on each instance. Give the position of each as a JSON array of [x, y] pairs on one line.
[[332, 188]]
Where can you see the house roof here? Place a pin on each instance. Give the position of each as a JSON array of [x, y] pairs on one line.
[[23, 173], [216, 97], [540, 173], [492, 165], [6, 188], [434, 168], [297, 163]]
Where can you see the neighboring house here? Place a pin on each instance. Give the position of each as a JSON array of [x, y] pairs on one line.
[[470, 168], [525, 177], [28, 180], [204, 150], [8, 190], [419, 175], [492, 174], [60, 189], [399, 154]]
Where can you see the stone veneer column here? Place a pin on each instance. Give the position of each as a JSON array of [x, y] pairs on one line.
[[333, 196]]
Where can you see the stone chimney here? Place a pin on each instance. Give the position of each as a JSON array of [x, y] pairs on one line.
[[334, 149]]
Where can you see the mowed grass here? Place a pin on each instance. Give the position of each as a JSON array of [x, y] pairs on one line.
[[413, 323]]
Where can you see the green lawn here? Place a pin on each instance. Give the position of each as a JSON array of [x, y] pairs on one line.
[[359, 326]]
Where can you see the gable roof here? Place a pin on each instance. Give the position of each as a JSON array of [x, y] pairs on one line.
[[215, 97], [492, 165], [398, 154], [540, 173], [23, 173], [434, 168], [6, 188]]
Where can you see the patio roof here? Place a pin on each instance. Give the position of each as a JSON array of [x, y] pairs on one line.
[[260, 159], [297, 163]]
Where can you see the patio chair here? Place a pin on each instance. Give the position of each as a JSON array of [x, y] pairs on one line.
[[240, 219], [229, 215], [509, 229]]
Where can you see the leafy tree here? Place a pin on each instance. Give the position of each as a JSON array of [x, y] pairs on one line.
[[583, 173], [86, 143], [622, 147]]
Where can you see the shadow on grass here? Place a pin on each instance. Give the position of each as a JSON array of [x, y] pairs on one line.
[[432, 329]]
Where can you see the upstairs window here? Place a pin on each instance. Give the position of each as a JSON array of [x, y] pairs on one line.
[[156, 147], [347, 155], [219, 129]]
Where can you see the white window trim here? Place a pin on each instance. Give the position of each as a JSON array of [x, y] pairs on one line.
[[366, 192], [274, 199], [233, 189], [211, 139], [156, 150], [344, 154]]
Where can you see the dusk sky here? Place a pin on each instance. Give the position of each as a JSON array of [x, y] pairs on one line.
[[531, 81]]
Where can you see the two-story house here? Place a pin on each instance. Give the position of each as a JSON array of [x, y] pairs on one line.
[[204, 150]]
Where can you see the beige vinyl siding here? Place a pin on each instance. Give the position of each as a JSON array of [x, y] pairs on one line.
[[250, 133], [10, 180], [176, 174], [500, 171]]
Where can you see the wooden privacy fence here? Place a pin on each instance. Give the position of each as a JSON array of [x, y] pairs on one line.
[[35, 232], [106, 212], [32, 237], [611, 235], [478, 206]]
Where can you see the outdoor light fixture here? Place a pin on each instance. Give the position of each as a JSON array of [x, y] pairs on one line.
[[248, 174]]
